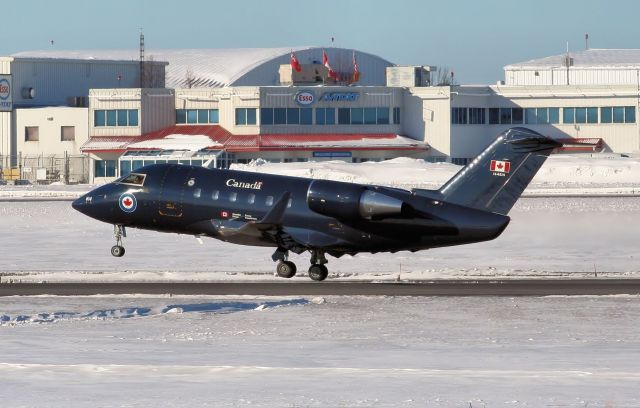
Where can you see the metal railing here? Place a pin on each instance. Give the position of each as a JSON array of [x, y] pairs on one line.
[[46, 169]]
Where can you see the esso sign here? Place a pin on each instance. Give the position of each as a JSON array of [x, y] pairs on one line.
[[5, 89], [305, 98]]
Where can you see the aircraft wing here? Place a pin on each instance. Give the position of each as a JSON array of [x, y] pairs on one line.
[[271, 222]]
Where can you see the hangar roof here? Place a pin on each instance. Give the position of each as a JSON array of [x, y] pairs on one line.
[[587, 58], [218, 67]]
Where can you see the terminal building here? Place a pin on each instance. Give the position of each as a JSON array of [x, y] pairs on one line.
[[222, 106]]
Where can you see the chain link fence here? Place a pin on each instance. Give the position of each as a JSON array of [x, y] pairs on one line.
[[46, 169]]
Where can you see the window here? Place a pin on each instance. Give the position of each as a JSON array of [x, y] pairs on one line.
[[581, 115], [396, 116], [293, 116], [100, 118], [605, 115], [197, 192], [618, 114], [266, 116], [111, 118], [344, 116], [516, 116], [505, 116], [246, 116], [306, 116], [476, 116], [325, 116], [268, 201], [459, 116], [383, 116], [31, 134], [494, 116], [280, 116], [592, 115], [123, 117], [629, 114], [135, 179], [105, 168], [370, 116], [214, 116], [215, 195], [530, 117], [568, 115], [554, 115], [357, 116], [67, 133], [251, 199], [192, 116], [542, 115], [233, 197], [116, 117], [125, 167]]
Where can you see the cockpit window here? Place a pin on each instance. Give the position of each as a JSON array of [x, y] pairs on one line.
[[135, 179]]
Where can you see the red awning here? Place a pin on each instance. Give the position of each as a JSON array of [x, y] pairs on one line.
[[223, 139]]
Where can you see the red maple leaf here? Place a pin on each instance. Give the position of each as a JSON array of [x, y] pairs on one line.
[[499, 165], [127, 202]]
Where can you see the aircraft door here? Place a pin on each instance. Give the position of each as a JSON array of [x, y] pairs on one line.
[[174, 184]]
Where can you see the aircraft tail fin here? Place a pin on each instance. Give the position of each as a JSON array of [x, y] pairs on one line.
[[496, 178]]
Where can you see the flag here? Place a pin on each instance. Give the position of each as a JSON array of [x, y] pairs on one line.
[[325, 62], [500, 166], [294, 63], [356, 69]]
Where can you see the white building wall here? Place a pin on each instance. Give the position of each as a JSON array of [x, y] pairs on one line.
[[49, 122], [555, 76], [426, 116]]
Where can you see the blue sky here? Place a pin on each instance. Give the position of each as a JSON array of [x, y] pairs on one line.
[[475, 39]]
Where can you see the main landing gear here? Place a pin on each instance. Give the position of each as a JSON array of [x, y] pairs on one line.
[[287, 269], [118, 232]]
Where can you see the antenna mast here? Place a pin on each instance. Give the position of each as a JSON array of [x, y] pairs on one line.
[[142, 78]]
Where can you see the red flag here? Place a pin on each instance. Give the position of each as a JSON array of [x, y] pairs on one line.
[[294, 63], [325, 62], [356, 69]]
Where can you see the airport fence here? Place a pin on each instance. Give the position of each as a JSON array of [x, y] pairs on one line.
[[46, 169]]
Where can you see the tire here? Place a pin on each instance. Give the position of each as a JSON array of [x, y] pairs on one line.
[[286, 269], [318, 272], [117, 251]]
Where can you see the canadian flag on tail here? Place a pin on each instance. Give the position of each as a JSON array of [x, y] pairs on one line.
[[499, 166], [325, 62], [295, 64]]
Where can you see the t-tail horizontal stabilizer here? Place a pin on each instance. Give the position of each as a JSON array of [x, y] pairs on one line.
[[496, 178]]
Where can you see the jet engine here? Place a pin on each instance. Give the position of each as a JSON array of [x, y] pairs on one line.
[[348, 201]]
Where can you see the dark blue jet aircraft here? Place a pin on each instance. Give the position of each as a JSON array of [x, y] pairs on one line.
[[321, 216]]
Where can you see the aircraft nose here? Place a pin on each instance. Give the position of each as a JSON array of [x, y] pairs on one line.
[[80, 204]]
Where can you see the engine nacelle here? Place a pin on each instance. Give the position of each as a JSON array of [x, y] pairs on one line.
[[349, 201]]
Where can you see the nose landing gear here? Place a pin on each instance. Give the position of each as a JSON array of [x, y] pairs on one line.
[[118, 232]]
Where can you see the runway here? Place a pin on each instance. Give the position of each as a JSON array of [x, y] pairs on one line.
[[531, 287]]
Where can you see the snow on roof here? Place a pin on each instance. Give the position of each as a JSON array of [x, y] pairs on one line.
[[216, 67], [192, 143], [586, 58]]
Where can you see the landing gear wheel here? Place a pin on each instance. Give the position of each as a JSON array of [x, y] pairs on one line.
[[318, 272], [286, 269], [117, 251]]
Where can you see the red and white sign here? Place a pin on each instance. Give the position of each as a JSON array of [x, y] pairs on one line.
[[499, 166]]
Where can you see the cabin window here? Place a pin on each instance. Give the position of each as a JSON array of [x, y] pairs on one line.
[[269, 201], [215, 195], [233, 197], [197, 192], [290, 203], [251, 199]]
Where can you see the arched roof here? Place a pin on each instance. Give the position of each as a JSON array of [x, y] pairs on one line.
[[218, 67]]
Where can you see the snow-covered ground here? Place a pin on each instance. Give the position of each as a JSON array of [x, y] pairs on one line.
[[602, 174], [547, 237], [303, 352]]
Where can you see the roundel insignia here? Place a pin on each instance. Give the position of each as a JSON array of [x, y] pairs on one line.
[[128, 202]]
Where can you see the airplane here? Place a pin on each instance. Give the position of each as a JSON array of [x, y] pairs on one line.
[[323, 217]]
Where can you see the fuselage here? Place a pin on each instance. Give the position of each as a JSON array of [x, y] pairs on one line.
[[218, 203]]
